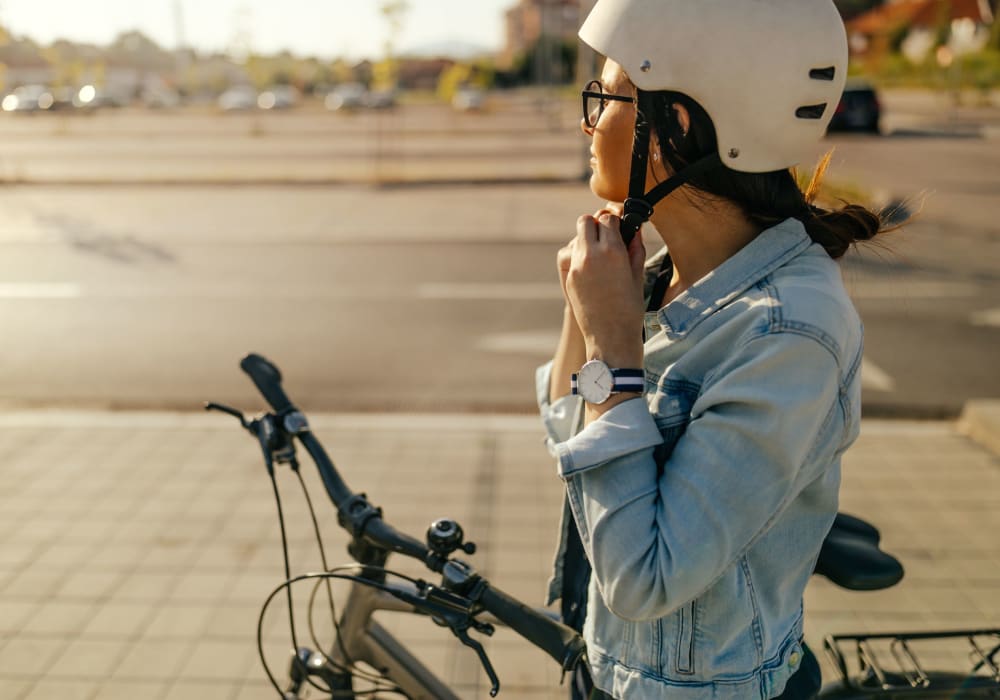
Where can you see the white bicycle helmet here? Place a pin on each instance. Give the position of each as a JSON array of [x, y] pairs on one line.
[[769, 73]]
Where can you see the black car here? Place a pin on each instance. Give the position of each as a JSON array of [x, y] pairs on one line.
[[859, 110]]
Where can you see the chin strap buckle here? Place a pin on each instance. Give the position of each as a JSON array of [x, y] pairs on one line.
[[636, 213]]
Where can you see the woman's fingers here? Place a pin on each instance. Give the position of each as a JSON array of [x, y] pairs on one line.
[[586, 229]]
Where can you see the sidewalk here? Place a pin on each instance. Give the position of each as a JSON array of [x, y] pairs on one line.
[[136, 549]]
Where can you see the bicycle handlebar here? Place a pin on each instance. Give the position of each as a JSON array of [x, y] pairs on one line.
[[267, 378], [559, 641], [556, 639]]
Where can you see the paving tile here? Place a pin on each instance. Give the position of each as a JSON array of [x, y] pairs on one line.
[[149, 659], [233, 621], [28, 656], [219, 660], [18, 554], [89, 658], [131, 690], [119, 620], [179, 620], [33, 584], [146, 586], [206, 587], [60, 689], [89, 585], [14, 689], [13, 613], [58, 617], [205, 690]]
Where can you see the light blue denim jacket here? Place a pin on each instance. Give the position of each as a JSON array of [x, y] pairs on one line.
[[702, 508]]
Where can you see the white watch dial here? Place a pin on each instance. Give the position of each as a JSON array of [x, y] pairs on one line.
[[594, 382]]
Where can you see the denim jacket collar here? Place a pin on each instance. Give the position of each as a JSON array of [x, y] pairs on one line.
[[754, 262]]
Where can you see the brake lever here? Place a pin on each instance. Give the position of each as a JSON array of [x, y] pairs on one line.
[[222, 408], [463, 636]]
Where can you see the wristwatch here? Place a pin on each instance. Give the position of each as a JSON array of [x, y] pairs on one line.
[[596, 382]]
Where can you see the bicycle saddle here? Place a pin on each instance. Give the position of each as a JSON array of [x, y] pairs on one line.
[[851, 558]]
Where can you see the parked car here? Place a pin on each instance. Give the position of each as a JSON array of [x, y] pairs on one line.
[[239, 98], [29, 98], [381, 99], [92, 97], [859, 109], [161, 98], [278, 97], [469, 99], [347, 96]]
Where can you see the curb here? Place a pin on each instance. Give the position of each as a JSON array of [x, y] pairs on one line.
[[980, 422]]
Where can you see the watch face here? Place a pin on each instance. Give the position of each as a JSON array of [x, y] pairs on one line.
[[594, 382]]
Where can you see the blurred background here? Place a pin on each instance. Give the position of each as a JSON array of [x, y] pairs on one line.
[[373, 194]]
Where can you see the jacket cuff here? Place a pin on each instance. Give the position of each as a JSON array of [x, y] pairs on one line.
[[626, 428], [562, 418]]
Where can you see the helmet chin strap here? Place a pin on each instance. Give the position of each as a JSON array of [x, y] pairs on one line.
[[639, 205]]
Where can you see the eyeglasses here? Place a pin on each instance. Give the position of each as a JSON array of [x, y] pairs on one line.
[[595, 100]]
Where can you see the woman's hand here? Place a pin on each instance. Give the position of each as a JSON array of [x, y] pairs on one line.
[[564, 257], [603, 283]]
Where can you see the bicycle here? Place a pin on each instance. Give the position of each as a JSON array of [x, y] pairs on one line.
[[465, 601]]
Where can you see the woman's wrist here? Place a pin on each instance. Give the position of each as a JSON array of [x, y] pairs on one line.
[[616, 355]]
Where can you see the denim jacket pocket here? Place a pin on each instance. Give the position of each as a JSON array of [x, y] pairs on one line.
[[687, 631]]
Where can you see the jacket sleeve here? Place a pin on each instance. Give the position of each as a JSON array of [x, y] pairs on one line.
[[562, 418], [657, 539]]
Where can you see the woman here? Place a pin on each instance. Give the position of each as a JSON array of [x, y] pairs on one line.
[[699, 403]]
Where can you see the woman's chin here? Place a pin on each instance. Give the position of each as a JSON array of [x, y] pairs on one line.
[[609, 194]]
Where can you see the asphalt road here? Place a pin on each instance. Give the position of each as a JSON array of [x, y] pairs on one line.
[[414, 298]]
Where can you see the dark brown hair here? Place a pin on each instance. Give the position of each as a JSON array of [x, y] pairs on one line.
[[765, 198]]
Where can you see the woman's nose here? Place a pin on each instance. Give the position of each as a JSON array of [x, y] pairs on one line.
[[589, 131]]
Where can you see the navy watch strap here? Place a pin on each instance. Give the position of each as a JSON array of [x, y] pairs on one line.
[[625, 381], [628, 380]]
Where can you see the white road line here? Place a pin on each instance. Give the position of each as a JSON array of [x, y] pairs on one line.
[[32, 290], [540, 342], [496, 291], [906, 290], [990, 318], [875, 378]]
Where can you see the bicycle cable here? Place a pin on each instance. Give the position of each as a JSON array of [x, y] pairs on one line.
[[369, 677], [332, 574], [329, 590], [349, 666]]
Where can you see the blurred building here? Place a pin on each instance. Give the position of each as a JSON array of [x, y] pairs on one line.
[[422, 73], [530, 20], [915, 27]]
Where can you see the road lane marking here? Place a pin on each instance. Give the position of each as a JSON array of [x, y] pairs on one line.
[[490, 291], [903, 289], [534, 342], [34, 290], [990, 318], [875, 378]]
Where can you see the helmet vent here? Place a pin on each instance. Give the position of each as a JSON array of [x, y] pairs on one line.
[[823, 73], [811, 111]]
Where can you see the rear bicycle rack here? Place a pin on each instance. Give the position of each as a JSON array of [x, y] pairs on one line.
[[877, 664]]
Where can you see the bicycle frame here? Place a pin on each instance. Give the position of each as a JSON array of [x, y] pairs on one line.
[[363, 639]]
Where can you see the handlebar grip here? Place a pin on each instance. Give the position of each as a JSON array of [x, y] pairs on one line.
[[267, 377], [557, 640]]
